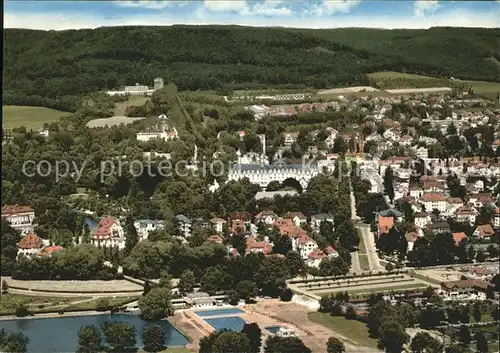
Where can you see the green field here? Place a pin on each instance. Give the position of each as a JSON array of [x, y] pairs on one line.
[[9, 302], [402, 287], [132, 100], [29, 117], [351, 329], [394, 80]]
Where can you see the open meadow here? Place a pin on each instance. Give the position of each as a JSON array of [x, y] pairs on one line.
[[399, 80], [29, 117], [121, 107]]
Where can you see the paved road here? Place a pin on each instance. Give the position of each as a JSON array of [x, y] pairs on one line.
[[371, 252], [355, 266]]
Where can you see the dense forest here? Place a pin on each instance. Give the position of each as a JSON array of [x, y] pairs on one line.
[[40, 67]]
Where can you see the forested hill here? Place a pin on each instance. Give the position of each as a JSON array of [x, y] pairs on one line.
[[64, 63]]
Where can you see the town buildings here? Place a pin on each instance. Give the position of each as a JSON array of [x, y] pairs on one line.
[[20, 217]]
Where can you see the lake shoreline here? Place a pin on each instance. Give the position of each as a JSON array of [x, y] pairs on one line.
[[53, 315]]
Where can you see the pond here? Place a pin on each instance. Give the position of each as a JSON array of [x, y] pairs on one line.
[[60, 334]]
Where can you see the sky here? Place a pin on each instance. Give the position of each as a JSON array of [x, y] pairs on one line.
[[61, 15]]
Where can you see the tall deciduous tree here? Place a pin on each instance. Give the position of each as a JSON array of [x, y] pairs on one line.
[[334, 345], [156, 304], [89, 340], [254, 333], [153, 338], [119, 335], [187, 282], [276, 344]]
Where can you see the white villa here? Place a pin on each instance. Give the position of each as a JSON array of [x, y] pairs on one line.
[[20, 217]]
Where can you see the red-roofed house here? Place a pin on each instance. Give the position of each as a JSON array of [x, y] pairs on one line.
[[458, 237], [304, 245], [20, 217], [298, 218], [30, 245], [109, 234], [258, 246], [384, 224], [484, 231], [315, 257], [215, 239], [433, 201], [49, 250], [267, 217]]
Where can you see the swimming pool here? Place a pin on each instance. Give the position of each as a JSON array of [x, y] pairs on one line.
[[207, 313], [273, 329], [234, 323]]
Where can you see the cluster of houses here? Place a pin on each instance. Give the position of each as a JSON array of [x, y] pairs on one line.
[[109, 232]]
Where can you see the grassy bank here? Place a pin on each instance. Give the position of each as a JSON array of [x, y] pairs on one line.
[[121, 107], [29, 117], [352, 329], [9, 302]]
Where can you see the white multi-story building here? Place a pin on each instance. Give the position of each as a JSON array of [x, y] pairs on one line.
[[158, 83], [433, 201], [109, 234], [184, 225], [146, 226], [304, 246], [137, 89], [20, 217], [157, 134]]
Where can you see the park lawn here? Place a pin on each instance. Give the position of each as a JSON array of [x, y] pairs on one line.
[[9, 301], [402, 287], [363, 262], [132, 100], [352, 329], [91, 304], [488, 89], [29, 117]]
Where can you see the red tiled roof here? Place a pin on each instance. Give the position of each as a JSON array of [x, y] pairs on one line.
[[316, 254], [485, 230], [253, 244], [215, 239], [292, 231], [432, 197], [14, 209], [458, 237], [240, 215], [50, 249], [31, 241], [384, 224]]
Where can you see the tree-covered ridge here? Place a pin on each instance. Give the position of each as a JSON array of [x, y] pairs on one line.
[[54, 64]]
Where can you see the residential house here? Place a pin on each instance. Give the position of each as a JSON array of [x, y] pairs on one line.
[[215, 239], [185, 225], [266, 217], [108, 234], [466, 214], [31, 244], [218, 224], [254, 246], [416, 191], [49, 250], [162, 134], [146, 226], [421, 219], [484, 231], [20, 217], [317, 219], [440, 227], [298, 218], [303, 245], [289, 138], [458, 237], [496, 218], [411, 238], [468, 289], [239, 221], [315, 257], [433, 201], [385, 224]]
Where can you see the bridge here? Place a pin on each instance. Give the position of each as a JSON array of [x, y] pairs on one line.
[[264, 174]]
